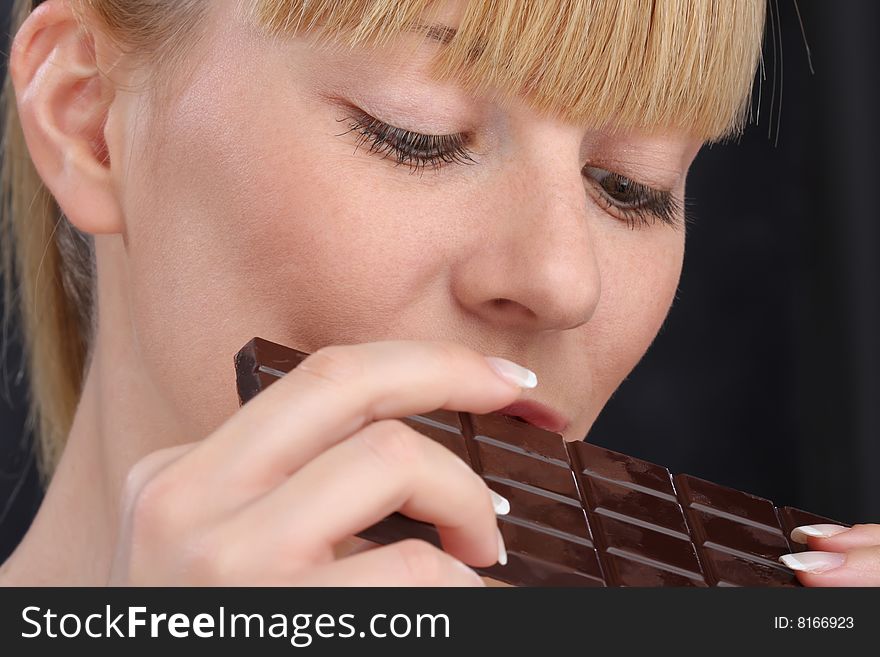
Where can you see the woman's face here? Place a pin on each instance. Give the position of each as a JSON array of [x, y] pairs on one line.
[[256, 213]]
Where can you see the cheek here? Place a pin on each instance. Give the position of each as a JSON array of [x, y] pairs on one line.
[[218, 242], [640, 275], [248, 232]]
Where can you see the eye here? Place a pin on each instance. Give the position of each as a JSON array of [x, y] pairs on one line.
[[416, 150], [632, 201]]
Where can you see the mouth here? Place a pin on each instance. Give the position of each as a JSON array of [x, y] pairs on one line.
[[536, 414]]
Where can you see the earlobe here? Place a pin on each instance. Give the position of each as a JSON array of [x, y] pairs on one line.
[[63, 103]]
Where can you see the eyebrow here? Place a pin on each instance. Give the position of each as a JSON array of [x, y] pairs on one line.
[[437, 31]]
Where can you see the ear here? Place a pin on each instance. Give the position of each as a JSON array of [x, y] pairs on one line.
[[63, 102]]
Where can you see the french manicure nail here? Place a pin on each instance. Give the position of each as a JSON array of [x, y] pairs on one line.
[[800, 534], [513, 373], [813, 562], [502, 551], [499, 503]]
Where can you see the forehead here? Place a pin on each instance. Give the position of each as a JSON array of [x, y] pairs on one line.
[[674, 64]]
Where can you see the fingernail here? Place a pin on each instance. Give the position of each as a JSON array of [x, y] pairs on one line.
[[513, 373], [799, 534], [500, 504], [813, 562], [502, 551]]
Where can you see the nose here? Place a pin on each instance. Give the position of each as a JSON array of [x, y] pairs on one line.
[[534, 265]]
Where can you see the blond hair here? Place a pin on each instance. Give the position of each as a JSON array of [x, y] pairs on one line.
[[686, 64]]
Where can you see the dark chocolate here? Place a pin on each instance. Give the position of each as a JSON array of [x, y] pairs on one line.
[[583, 515]]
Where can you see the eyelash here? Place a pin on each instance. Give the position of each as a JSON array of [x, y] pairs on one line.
[[651, 205], [416, 150], [420, 152]]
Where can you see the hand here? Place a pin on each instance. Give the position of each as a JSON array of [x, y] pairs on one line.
[[838, 556], [312, 460]]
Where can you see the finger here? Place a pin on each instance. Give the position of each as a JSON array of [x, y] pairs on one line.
[[836, 538], [340, 389], [857, 567], [139, 475], [148, 468], [406, 563], [385, 467], [351, 546]]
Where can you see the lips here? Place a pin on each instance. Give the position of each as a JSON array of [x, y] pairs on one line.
[[537, 415]]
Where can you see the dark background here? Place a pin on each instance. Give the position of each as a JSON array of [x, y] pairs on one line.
[[766, 376]]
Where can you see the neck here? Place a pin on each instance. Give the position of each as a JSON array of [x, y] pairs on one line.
[[68, 541], [119, 419]]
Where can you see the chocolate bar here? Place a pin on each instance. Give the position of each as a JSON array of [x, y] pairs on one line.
[[583, 515]]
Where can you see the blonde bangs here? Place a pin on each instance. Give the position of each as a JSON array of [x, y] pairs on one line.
[[681, 64]]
